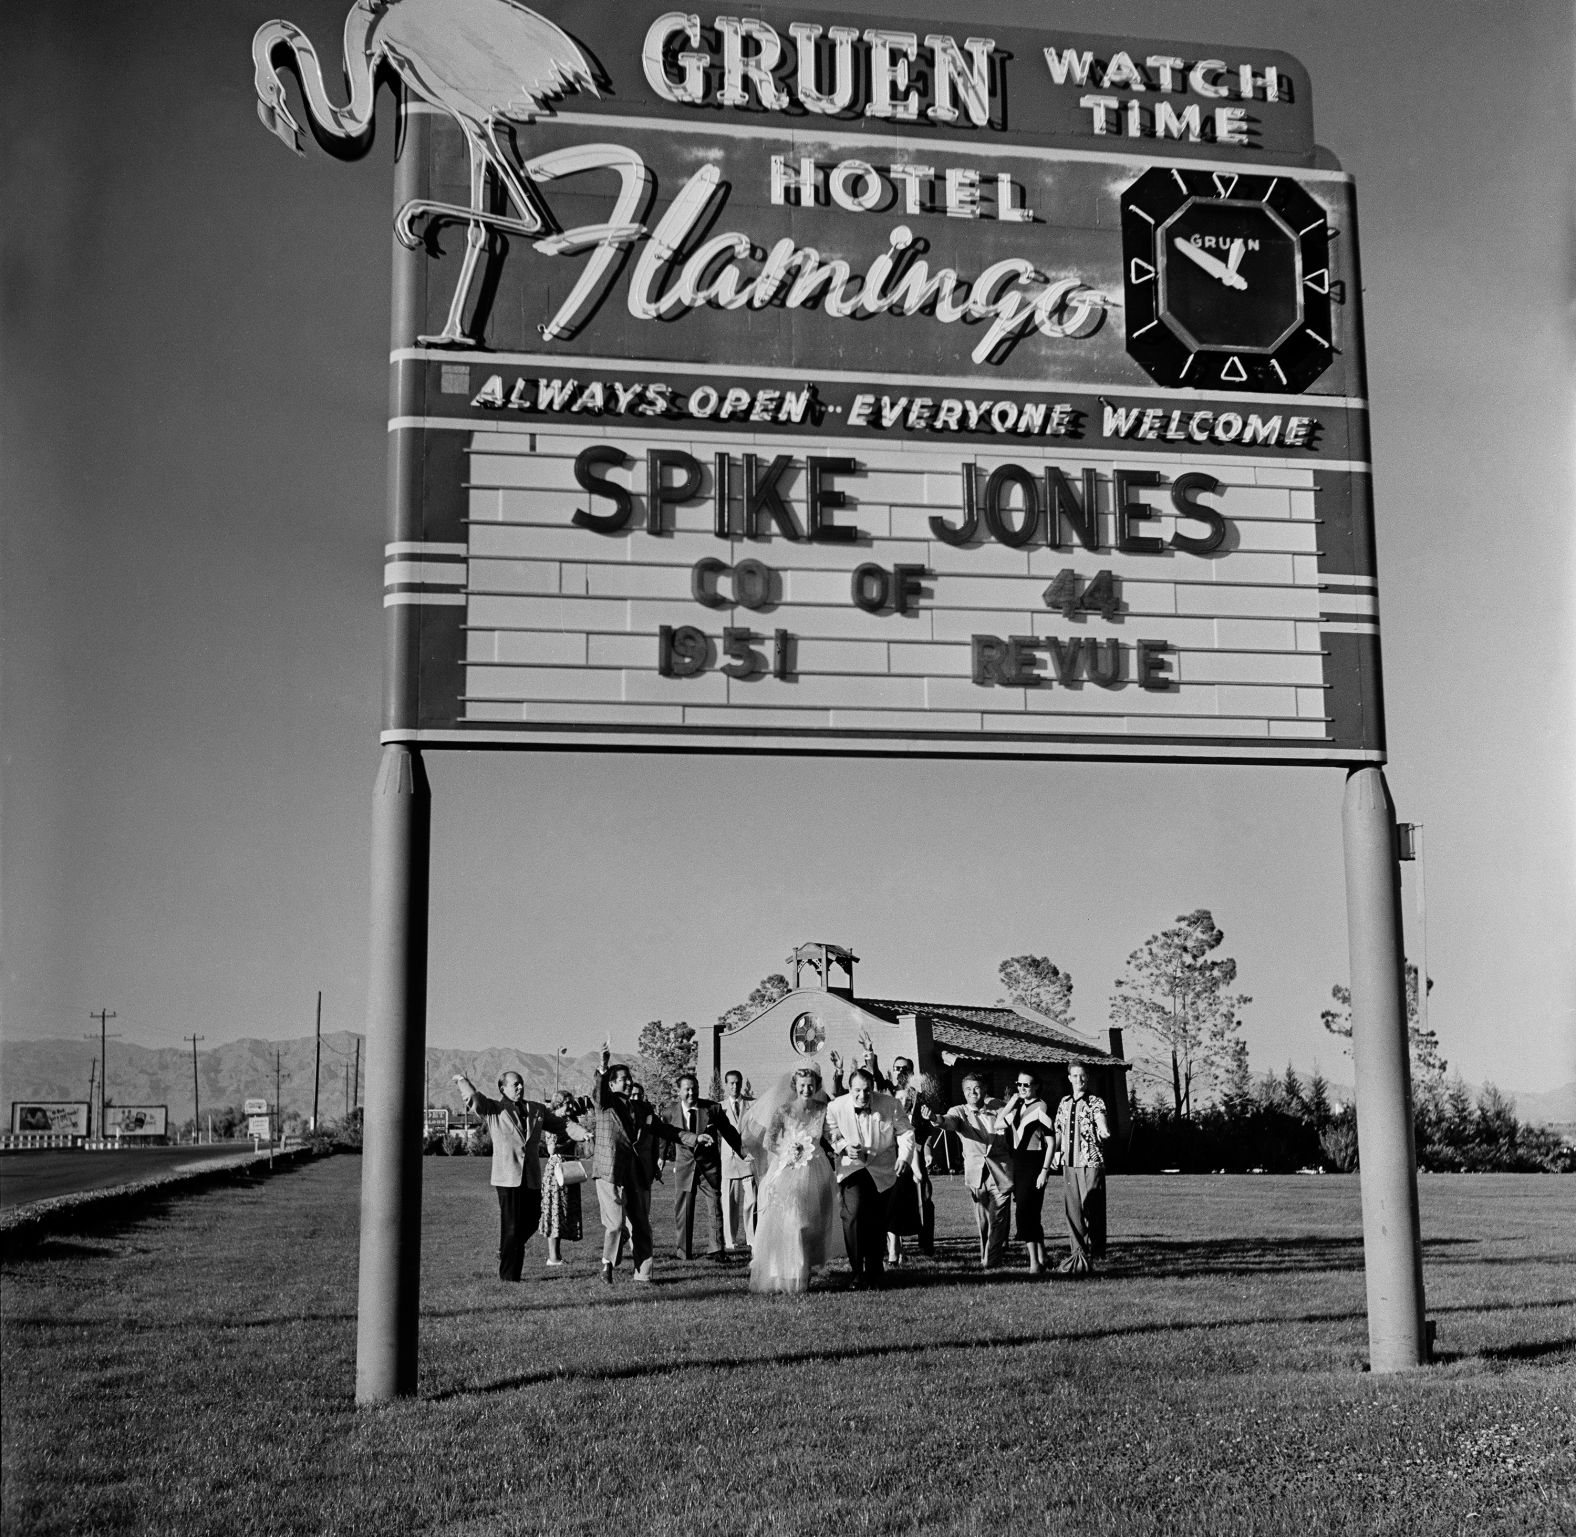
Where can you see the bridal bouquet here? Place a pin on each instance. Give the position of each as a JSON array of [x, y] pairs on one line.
[[799, 1151]]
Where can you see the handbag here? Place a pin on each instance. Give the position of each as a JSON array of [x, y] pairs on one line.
[[570, 1171]]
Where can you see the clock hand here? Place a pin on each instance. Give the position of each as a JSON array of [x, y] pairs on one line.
[[1216, 269], [1234, 256]]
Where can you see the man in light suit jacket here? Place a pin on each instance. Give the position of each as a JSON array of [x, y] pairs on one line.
[[738, 1171], [515, 1125], [697, 1170], [987, 1166], [870, 1136]]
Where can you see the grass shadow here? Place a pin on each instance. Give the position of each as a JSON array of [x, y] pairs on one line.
[[1531, 1350], [847, 1352]]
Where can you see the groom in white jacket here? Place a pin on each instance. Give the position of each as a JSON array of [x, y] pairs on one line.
[[871, 1137]]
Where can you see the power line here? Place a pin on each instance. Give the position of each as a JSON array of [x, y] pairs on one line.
[[103, 1017], [279, 1109], [196, 1102], [317, 1064]]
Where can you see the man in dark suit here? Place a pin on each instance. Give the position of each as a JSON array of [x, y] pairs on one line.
[[697, 1170], [912, 1208], [648, 1160]]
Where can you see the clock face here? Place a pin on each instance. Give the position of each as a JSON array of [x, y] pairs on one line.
[[1227, 280]]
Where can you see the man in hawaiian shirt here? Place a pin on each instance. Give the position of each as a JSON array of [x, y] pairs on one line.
[[1081, 1126]]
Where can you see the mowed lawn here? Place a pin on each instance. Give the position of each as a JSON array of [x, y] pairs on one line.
[[191, 1371]]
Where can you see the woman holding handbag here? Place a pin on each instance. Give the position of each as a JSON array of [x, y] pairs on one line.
[[561, 1182]]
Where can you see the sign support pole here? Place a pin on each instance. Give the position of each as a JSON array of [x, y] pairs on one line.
[[1392, 1240], [389, 1293]]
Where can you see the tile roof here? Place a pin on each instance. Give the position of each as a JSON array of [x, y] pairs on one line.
[[991, 1031]]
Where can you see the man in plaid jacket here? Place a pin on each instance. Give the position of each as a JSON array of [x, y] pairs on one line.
[[621, 1194]]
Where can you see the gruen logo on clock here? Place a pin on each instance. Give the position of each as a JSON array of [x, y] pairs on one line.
[[1227, 280]]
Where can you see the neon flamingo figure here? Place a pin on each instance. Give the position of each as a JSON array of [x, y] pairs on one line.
[[481, 61]]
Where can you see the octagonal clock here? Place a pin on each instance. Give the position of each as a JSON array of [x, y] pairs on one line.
[[1227, 280]]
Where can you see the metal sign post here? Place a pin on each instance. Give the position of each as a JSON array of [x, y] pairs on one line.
[[1392, 1237], [880, 388], [391, 1143]]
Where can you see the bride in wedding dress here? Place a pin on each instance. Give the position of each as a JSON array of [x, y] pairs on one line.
[[796, 1197]]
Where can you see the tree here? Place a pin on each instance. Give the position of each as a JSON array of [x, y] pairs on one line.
[[1236, 1078], [1174, 993], [669, 1051], [765, 995], [1032, 982], [1317, 1100], [1428, 1067]]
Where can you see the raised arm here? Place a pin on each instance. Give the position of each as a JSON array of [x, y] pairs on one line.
[[599, 1094], [475, 1101]]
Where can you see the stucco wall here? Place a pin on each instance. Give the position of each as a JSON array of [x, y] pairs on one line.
[[764, 1052]]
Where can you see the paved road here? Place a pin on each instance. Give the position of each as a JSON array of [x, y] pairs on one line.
[[28, 1177]]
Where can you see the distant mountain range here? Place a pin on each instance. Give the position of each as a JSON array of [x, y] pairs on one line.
[[1550, 1107], [239, 1070]]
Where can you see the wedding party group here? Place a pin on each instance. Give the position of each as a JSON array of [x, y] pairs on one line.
[[786, 1174]]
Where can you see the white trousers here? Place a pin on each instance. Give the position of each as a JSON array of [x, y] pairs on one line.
[[738, 1213]]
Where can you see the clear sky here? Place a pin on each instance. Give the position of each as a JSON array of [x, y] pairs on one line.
[[194, 373]]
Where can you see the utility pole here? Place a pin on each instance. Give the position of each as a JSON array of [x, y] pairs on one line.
[[346, 1072], [317, 1063], [279, 1109], [355, 1081], [103, 1017], [196, 1102], [92, 1079]]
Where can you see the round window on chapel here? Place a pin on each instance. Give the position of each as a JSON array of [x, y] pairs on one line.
[[808, 1035]]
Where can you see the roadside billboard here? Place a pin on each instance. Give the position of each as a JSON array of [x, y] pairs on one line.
[[881, 387], [56, 1117], [136, 1121]]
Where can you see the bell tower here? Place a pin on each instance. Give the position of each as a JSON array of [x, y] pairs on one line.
[[819, 958]]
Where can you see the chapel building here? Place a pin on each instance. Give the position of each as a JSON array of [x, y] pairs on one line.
[[822, 1014]]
